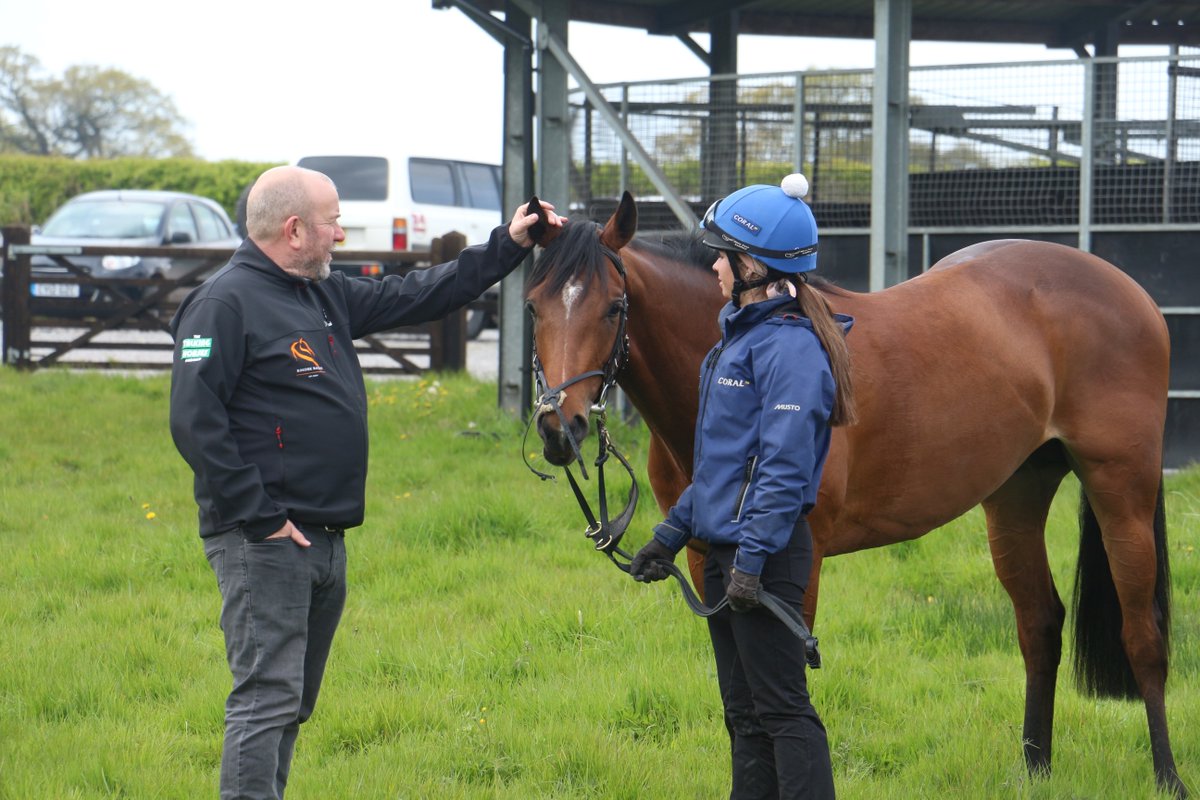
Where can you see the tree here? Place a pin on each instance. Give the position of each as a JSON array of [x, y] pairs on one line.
[[91, 112]]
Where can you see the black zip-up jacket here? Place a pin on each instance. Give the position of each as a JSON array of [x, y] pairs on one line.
[[268, 404]]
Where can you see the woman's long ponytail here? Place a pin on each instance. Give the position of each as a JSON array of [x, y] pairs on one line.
[[814, 306]]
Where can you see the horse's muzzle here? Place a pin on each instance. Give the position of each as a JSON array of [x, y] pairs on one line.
[[556, 442]]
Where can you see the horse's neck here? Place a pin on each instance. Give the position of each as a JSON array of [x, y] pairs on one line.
[[672, 325]]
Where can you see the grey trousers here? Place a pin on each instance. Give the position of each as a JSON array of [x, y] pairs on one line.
[[280, 606]]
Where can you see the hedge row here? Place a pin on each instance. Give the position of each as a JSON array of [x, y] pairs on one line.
[[31, 187]]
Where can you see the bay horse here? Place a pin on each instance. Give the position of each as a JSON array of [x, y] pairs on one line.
[[982, 381]]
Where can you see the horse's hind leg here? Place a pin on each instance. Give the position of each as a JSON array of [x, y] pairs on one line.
[[1016, 519], [1126, 501]]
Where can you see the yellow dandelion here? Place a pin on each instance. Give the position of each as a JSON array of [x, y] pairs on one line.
[[151, 515], [145, 506]]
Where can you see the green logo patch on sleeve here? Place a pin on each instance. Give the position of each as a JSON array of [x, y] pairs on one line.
[[195, 348]]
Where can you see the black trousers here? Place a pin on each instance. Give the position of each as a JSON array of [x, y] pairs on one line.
[[777, 741]]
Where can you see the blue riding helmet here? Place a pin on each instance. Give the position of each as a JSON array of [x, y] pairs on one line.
[[770, 223]]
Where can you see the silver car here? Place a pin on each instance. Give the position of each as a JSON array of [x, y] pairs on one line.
[[124, 218]]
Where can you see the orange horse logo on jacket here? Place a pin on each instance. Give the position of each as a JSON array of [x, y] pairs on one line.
[[302, 351]]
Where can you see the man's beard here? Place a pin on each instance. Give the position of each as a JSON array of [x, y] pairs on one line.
[[318, 269]]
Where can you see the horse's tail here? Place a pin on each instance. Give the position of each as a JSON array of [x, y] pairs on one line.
[[1101, 664]]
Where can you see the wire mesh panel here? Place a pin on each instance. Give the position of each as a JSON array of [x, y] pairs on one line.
[[993, 145], [708, 136], [1143, 144], [835, 146]]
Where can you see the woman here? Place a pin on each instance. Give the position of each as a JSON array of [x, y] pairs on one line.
[[770, 391]]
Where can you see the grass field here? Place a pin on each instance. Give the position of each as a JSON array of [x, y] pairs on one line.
[[486, 650]]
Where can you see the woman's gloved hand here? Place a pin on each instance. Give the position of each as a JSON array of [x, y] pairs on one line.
[[646, 565], [742, 591]]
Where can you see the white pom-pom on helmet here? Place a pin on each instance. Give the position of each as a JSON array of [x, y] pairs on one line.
[[771, 223]]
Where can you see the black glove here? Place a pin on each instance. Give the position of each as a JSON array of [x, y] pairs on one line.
[[742, 591], [646, 566]]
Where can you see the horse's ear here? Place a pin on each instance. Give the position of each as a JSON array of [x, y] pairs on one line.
[[541, 232], [622, 225]]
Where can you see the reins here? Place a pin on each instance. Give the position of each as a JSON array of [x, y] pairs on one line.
[[604, 533]]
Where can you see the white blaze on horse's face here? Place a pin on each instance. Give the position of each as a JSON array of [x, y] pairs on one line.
[[570, 296]]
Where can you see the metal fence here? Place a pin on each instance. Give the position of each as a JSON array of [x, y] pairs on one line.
[[1079, 143], [1101, 154]]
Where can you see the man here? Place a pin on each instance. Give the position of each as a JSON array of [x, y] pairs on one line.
[[269, 408]]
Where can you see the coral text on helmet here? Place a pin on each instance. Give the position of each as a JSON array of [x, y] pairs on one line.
[[745, 223]]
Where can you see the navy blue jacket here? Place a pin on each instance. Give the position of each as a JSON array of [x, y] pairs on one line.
[[762, 434], [268, 404]]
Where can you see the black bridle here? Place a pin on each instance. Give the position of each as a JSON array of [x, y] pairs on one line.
[[606, 533]]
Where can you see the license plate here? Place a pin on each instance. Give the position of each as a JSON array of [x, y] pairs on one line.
[[54, 289]]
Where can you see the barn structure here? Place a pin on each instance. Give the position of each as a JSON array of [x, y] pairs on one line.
[[1101, 152]]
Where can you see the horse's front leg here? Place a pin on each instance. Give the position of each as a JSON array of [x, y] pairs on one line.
[[814, 588], [667, 481]]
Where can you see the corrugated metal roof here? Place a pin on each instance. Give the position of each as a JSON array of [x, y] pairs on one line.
[[1056, 23]]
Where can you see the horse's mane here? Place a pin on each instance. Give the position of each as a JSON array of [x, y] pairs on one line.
[[576, 254], [683, 246], [688, 248]]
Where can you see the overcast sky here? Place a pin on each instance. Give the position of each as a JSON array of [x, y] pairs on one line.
[[262, 80]]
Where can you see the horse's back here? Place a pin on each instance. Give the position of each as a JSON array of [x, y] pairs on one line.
[[964, 371], [1043, 293], [1042, 317], [1076, 300]]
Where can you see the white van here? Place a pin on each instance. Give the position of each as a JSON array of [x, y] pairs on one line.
[[403, 203]]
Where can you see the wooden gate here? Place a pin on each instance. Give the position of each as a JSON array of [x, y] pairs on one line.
[[126, 325]]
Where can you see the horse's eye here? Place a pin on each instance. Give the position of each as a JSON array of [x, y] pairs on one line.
[[531, 310], [616, 309]]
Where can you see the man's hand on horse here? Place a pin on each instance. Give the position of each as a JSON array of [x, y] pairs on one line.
[[527, 217], [742, 591], [647, 565]]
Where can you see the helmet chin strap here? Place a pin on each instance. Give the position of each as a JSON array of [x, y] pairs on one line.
[[740, 285]]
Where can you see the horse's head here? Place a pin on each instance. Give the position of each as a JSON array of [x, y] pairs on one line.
[[576, 294]]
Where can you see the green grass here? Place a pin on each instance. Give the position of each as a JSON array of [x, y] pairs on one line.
[[486, 650]]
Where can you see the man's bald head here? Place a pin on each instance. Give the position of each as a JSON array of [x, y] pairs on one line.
[[279, 193]]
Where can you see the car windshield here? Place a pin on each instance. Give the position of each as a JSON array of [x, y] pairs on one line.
[[108, 219], [356, 177]]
